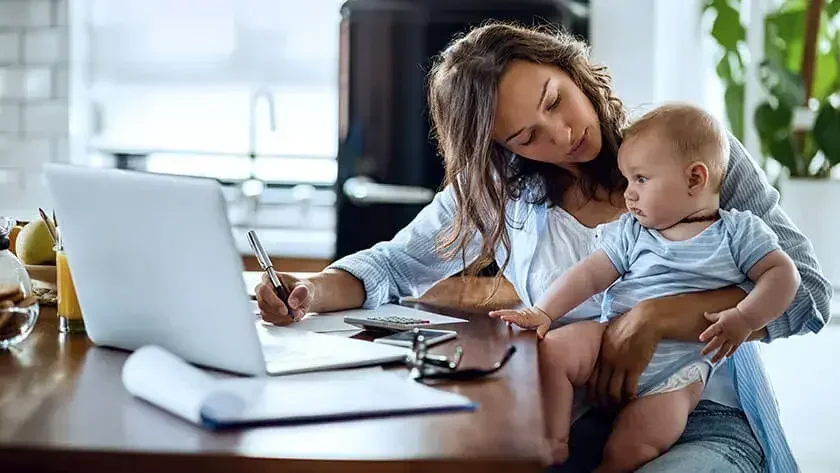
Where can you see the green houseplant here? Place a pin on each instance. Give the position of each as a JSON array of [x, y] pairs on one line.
[[798, 123], [808, 153], [815, 149]]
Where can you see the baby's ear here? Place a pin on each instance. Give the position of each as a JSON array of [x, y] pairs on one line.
[[697, 176]]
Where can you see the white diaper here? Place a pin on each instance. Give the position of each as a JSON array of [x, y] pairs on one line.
[[684, 377]]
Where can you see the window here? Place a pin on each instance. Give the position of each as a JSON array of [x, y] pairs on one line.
[[175, 80]]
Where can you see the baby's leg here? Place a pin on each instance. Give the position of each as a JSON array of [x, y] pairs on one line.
[[647, 427], [567, 357]]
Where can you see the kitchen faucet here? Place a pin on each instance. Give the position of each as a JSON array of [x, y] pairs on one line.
[[253, 187], [252, 136]]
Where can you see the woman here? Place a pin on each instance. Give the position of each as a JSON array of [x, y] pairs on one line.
[[530, 129]]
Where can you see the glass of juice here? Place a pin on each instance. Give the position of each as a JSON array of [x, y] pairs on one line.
[[69, 312]]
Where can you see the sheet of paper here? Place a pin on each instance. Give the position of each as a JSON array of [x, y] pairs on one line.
[[345, 333], [165, 380], [323, 323], [365, 393], [235, 383], [170, 383]]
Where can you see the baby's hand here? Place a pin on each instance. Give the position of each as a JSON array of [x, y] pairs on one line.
[[727, 332], [530, 318]]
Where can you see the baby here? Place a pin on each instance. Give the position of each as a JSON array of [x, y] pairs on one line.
[[674, 239]]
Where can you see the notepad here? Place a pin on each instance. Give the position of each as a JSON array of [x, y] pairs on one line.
[[168, 382]]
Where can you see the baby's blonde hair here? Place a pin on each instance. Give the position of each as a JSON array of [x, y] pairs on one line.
[[694, 134]]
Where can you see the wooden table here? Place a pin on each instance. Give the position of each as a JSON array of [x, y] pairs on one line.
[[63, 408]]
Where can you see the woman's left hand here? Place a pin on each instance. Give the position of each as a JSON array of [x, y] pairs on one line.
[[626, 349]]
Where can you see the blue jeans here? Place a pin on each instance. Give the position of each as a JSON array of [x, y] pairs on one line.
[[717, 439]]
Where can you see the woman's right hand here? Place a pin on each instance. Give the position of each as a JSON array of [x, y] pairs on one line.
[[272, 309]]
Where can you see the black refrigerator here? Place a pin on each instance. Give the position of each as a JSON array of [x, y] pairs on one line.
[[388, 167]]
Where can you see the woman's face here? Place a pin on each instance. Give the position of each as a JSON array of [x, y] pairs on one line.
[[541, 114]]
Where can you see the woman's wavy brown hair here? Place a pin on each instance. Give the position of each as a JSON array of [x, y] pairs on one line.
[[484, 175]]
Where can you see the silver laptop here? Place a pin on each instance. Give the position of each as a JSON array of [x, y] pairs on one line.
[[154, 262]]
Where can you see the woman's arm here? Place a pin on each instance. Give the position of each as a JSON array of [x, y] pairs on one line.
[[334, 289], [682, 316], [407, 265], [746, 188], [630, 340], [329, 290]]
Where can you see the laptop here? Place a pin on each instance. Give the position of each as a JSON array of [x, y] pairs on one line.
[[154, 262]]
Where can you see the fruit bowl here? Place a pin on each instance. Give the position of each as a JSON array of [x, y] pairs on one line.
[[44, 273]]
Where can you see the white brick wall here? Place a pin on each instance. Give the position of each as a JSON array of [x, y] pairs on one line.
[[19, 83], [9, 48], [9, 118], [45, 119], [44, 46], [33, 100], [25, 13]]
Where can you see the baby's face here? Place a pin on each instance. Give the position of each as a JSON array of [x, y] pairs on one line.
[[657, 181]]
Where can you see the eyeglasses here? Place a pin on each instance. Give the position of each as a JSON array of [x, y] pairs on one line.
[[427, 367]]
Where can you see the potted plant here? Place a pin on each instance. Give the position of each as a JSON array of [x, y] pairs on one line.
[[798, 123]]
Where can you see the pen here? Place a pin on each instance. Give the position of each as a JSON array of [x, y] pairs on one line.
[[268, 267]]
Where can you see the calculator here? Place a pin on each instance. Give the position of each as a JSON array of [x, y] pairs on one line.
[[394, 323]]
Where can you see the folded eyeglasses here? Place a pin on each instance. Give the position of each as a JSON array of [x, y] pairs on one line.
[[427, 367]]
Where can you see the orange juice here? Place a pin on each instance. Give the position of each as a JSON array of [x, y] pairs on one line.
[[69, 311]]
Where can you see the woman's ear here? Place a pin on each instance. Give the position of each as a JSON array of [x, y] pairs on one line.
[[697, 174]]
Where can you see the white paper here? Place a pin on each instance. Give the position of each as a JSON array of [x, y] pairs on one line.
[[165, 380], [170, 383], [371, 392], [288, 350], [345, 333], [320, 323], [323, 323]]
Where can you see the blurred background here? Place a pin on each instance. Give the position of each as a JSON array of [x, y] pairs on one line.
[[313, 115]]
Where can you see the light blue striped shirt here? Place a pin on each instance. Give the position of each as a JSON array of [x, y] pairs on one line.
[[651, 266], [408, 265]]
